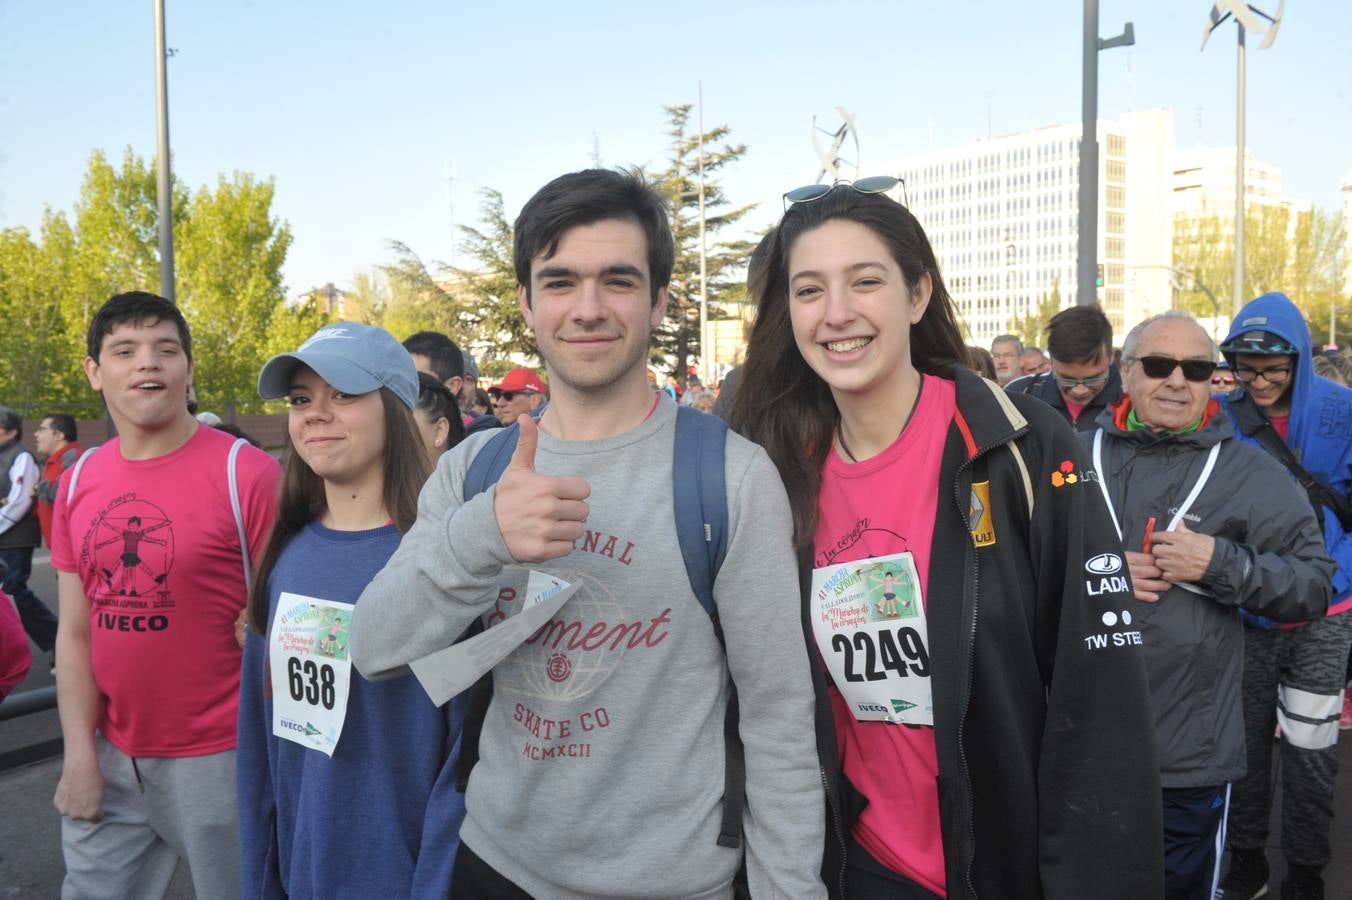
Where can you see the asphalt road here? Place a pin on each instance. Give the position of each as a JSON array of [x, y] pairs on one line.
[[30, 830]]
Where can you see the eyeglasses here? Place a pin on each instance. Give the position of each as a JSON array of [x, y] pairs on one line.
[[1163, 367], [1272, 375], [1093, 382], [508, 396], [874, 184]]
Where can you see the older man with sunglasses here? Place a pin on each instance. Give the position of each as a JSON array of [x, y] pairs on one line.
[[1210, 526], [1293, 676]]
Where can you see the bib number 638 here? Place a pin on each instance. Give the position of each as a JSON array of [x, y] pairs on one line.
[[904, 653], [310, 682]]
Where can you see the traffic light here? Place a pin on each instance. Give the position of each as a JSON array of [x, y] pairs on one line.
[[1098, 276]]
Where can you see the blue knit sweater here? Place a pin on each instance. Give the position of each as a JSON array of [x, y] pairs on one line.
[[381, 818]]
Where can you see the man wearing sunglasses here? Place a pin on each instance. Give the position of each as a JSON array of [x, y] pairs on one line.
[[1209, 526], [520, 392], [1293, 675], [1082, 381]]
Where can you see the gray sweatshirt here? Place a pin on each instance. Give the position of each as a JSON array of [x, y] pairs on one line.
[[602, 755]]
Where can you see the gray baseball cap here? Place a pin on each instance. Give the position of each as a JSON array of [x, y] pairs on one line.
[[471, 369], [356, 359]]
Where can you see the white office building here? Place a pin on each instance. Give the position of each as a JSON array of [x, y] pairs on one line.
[[1002, 215]]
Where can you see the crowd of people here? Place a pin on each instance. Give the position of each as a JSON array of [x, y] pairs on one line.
[[539, 640]]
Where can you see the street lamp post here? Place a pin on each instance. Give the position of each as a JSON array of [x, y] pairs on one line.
[[1085, 289], [1183, 273], [163, 183], [1246, 19]]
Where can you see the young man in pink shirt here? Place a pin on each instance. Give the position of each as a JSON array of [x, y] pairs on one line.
[[151, 559]]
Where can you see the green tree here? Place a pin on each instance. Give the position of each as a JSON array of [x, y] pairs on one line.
[[491, 317], [677, 340], [229, 255], [1297, 253], [1031, 327]]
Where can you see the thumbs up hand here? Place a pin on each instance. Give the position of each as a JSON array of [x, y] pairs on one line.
[[540, 516]]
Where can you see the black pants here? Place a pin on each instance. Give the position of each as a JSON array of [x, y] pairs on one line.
[[1194, 836], [474, 879], [37, 619]]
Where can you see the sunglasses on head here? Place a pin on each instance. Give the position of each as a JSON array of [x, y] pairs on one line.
[[1163, 367], [874, 184]]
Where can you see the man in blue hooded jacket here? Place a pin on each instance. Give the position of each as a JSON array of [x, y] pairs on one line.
[[1293, 673]]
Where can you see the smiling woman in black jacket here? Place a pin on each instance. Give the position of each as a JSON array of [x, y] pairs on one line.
[[982, 715]]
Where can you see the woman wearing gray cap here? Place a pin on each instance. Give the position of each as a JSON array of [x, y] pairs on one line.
[[340, 780]]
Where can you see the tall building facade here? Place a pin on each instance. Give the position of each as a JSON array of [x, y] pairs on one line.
[[1002, 216]]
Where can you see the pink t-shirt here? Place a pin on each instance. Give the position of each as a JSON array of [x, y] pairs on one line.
[[155, 545], [15, 657], [1073, 408], [1281, 425], [878, 507]]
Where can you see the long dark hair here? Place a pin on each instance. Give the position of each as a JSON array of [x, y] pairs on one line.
[[300, 496], [781, 403]]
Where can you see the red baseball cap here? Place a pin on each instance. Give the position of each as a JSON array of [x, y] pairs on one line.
[[520, 379]]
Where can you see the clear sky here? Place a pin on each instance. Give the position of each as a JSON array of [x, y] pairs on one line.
[[359, 110]]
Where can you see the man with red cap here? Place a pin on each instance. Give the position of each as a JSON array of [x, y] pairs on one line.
[[520, 391]]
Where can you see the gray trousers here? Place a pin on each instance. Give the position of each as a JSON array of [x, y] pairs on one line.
[[1292, 677], [156, 810]]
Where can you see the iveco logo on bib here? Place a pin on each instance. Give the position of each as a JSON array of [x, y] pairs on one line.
[[1104, 564], [871, 707]]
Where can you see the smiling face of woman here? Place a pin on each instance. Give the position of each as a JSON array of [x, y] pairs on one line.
[[851, 308], [341, 437]]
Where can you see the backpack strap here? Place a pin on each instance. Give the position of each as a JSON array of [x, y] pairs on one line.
[[232, 475], [699, 495], [1253, 423], [75, 474], [490, 462]]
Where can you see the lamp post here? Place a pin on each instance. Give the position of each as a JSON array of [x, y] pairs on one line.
[[1246, 18], [1183, 273], [163, 182], [1085, 292]]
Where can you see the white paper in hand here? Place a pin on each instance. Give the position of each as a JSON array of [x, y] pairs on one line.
[[448, 672]]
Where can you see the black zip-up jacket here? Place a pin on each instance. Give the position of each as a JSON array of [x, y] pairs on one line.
[[1048, 775], [1043, 386]]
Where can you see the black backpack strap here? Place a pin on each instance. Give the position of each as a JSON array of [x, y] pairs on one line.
[[1253, 423]]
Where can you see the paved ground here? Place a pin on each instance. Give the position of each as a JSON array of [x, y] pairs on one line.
[[30, 831]]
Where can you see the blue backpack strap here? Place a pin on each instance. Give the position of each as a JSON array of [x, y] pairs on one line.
[[699, 494], [491, 461]]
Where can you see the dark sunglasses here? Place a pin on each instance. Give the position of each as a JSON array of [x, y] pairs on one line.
[[874, 184], [1163, 367], [508, 396]]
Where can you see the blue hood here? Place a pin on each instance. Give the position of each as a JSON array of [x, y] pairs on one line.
[[1320, 429]]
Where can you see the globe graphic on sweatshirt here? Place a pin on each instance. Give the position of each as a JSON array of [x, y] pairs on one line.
[[571, 656]]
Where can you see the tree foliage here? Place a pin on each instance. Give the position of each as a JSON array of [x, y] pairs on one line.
[[229, 251], [1297, 253], [1031, 327], [677, 340]]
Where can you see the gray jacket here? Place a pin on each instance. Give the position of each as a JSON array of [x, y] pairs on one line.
[[1269, 559]]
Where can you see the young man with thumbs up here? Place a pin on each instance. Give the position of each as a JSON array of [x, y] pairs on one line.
[[601, 760]]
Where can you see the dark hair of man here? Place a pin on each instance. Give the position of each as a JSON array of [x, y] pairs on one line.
[[436, 401], [442, 353], [585, 198], [11, 420], [137, 308], [300, 496], [981, 362], [1079, 334], [781, 403], [63, 423]]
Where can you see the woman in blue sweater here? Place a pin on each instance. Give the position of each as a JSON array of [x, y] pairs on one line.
[[346, 787]]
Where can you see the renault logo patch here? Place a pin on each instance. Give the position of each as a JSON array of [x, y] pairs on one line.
[[979, 515]]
